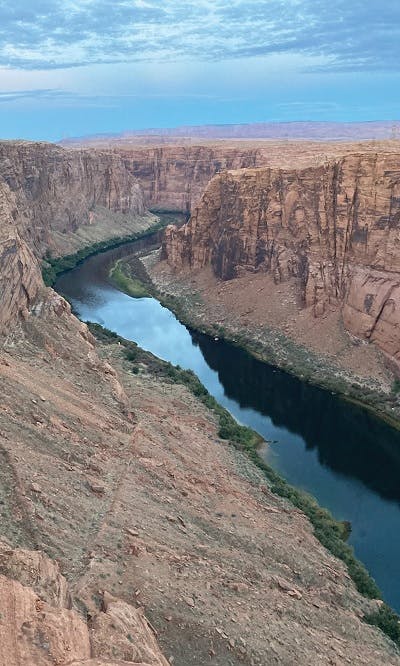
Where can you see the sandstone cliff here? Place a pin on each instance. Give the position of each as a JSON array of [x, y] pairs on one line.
[[334, 229], [46, 194], [174, 175]]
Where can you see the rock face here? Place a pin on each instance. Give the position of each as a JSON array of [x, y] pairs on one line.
[[175, 174], [174, 177], [334, 229], [40, 628], [56, 189], [44, 189]]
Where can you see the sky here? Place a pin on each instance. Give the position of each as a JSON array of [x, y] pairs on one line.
[[81, 67]]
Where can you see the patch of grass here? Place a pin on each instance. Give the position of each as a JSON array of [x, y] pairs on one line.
[[396, 386], [53, 267], [126, 283], [387, 620], [329, 531]]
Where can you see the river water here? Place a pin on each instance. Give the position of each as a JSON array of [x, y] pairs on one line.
[[348, 459]]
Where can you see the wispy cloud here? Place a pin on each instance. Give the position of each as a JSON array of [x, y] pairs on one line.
[[51, 34], [39, 94]]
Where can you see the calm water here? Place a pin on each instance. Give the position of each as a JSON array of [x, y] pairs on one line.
[[340, 453]]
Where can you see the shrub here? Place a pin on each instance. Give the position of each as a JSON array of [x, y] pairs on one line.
[[131, 354], [386, 620], [396, 386]]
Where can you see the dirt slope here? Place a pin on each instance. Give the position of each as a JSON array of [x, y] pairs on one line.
[[122, 478]]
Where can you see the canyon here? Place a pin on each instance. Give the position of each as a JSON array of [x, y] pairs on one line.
[[131, 532]]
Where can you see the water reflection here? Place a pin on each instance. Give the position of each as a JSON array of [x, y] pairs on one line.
[[347, 439]]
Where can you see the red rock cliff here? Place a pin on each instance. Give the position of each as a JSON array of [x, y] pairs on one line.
[[335, 229], [174, 177]]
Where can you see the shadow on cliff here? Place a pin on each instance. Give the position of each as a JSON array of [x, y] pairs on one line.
[[348, 439]]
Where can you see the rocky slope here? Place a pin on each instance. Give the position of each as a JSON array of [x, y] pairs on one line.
[[121, 477], [40, 627], [46, 195], [333, 230]]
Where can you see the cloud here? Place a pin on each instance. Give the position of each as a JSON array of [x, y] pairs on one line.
[[359, 35], [39, 94]]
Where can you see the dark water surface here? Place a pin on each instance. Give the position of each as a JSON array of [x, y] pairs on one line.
[[344, 456]]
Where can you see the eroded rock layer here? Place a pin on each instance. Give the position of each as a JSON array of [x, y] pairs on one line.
[[334, 229], [175, 174]]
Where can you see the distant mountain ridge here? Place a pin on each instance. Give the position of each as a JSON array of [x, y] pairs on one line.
[[307, 130]]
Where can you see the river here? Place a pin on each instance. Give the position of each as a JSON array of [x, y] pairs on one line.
[[340, 453]]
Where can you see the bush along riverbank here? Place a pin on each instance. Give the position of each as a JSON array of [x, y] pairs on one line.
[[53, 267], [330, 532], [121, 278]]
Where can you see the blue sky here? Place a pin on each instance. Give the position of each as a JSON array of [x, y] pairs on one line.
[[87, 66]]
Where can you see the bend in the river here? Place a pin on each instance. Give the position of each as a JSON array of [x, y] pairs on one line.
[[342, 454]]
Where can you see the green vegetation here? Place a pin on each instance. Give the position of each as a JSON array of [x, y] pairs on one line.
[[126, 283], [330, 532], [53, 267], [387, 620], [396, 386], [131, 354]]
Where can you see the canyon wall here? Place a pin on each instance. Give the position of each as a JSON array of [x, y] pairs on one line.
[[44, 191], [174, 177], [333, 228]]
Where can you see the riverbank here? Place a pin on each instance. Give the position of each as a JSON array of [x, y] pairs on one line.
[[53, 267], [374, 388], [121, 278], [331, 533]]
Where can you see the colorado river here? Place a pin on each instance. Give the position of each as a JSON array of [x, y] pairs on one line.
[[348, 459]]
